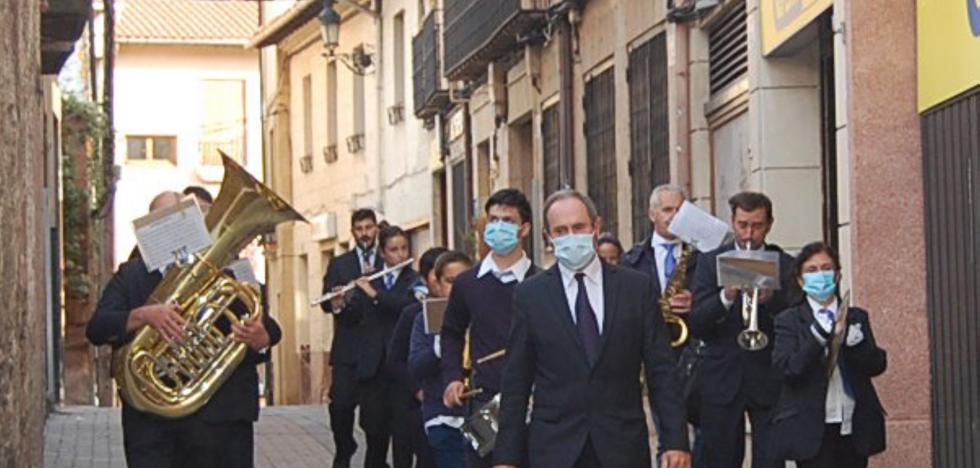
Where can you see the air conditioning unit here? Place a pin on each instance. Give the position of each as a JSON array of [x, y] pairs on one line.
[[355, 143], [396, 114], [323, 226]]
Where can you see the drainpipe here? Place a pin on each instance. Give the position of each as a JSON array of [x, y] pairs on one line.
[[382, 110], [566, 140], [682, 108]]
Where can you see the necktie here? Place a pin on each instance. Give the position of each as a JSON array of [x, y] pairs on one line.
[[366, 265], [840, 362], [585, 320], [670, 263], [389, 280]]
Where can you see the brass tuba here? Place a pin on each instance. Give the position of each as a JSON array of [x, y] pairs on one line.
[[674, 285], [176, 379]]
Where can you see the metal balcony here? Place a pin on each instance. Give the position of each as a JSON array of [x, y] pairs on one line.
[[480, 31]]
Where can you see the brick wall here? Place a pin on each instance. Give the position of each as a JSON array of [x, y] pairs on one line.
[[21, 254]]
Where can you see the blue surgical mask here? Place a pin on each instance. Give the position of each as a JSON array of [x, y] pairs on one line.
[[820, 285], [501, 236], [575, 251]]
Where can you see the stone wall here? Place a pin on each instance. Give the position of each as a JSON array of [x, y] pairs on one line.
[[21, 254]]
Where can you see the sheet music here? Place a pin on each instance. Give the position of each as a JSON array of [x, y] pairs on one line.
[[433, 311], [170, 233], [748, 268], [698, 228]]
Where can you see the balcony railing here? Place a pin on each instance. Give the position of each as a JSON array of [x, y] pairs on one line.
[[480, 31], [430, 90]]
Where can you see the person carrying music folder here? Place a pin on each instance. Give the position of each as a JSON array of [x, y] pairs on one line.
[[481, 302], [220, 434], [828, 414]]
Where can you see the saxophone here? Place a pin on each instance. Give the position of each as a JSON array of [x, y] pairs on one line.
[[676, 284], [176, 379]]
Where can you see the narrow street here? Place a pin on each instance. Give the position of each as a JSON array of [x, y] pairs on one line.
[[285, 436]]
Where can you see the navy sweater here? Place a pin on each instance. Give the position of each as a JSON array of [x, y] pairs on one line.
[[484, 305], [424, 367]]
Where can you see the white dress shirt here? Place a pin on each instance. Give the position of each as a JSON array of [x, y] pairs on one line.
[[593, 287], [839, 406], [516, 272], [660, 255]]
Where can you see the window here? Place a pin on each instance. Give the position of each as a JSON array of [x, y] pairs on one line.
[[550, 152], [399, 53], [307, 116], [650, 158], [155, 148], [223, 121], [462, 234], [330, 153], [728, 50], [600, 146]]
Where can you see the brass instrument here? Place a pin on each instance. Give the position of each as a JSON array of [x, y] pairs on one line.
[[675, 285], [353, 284], [480, 428], [751, 339], [176, 379]]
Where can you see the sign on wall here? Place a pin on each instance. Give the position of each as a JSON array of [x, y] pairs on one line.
[[781, 19], [948, 49]]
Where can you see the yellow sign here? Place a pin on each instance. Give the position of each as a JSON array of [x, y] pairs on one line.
[[949, 49], [781, 19]]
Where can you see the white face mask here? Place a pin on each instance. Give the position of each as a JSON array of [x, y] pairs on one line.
[[575, 251]]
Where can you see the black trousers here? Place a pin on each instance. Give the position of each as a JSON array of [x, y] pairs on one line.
[[409, 445], [588, 458], [723, 429], [152, 442], [373, 397], [836, 451]]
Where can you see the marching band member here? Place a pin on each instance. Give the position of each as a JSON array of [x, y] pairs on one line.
[[220, 434], [734, 380], [583, 330], [481, 302], [828, 414], [609, 248], [408, 436], [352, 371], [441, 423]]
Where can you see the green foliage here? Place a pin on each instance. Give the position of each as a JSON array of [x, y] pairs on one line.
[[83, 130]]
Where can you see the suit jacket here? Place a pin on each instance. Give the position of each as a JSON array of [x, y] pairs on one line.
[[367, 324], [397, 358], [726, 368], [347, 330], [800, 358], [573, 401], [130, 288]]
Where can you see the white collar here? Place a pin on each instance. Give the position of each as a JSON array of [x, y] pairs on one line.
[[658, 240], [518, 269], [592, 271], [817, 307]]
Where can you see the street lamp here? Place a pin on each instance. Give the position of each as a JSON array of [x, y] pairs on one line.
[[330, 26], [359, 61]]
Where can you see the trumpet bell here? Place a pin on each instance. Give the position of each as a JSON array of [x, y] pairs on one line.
[[752, 340]]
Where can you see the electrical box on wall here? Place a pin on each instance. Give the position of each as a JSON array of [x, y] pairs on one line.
[[323, 226]]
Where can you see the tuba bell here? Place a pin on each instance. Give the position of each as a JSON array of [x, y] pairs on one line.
[[176, 379]]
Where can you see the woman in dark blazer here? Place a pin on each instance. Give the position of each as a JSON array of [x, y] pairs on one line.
[[826, 417]]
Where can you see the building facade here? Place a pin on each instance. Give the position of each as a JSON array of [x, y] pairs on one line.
[[338, 136]]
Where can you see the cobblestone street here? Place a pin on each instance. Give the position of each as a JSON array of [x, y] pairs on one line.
[[285, 436]]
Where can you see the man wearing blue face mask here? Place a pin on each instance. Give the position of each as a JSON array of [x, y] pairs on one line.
[[481, 302], [582, 332]]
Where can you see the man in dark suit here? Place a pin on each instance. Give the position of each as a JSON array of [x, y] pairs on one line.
[[220, 434], [734, 380], [658, 256], [582, 333], [352, 369]]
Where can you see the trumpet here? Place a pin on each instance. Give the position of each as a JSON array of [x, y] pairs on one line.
[[353, 284], [752, 339]]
